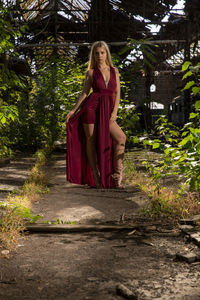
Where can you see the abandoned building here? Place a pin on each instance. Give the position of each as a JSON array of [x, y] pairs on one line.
[[69, 27]]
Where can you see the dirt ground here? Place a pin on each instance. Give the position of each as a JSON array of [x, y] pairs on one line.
[[91, 265]]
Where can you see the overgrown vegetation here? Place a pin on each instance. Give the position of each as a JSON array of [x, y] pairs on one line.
[[171, 202], [181, 147], [181, 152], [16, 209], [33, 109], [33, 113], [12, 86]]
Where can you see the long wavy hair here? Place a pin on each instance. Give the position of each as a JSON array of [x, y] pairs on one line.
[[92, 62]]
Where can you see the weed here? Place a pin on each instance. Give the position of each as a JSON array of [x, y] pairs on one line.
[[163, 202], [16, 210], [59, 221], [129, 170]]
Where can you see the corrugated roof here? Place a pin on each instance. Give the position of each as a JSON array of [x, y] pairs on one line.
[[150, 9]]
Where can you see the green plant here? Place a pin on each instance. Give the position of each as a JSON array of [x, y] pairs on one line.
[[17, 210], [128, 119], [181, 147], [142, 52], [180, 152], [55, 89], [167, 204], [12, 86], [59, 221]]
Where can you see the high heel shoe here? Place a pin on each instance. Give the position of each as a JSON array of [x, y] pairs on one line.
[[117, 178]]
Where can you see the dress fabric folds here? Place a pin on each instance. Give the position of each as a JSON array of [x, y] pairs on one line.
[[96, 109]]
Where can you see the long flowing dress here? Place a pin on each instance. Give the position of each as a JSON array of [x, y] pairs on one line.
[[96, 109]]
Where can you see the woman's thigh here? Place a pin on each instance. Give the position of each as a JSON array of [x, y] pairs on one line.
[[117, 133], [89, 130]]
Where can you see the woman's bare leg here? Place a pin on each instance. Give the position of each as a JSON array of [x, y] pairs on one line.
[[90, 134], [120, 138]]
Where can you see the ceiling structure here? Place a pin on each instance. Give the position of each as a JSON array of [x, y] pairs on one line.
[[89, 20], [69, 26]]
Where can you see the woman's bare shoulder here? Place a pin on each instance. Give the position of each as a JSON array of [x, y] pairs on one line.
[[89, 72], [116, 70], [89, 76]]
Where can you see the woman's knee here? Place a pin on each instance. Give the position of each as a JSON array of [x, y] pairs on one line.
[[90, 139], [89, 132], [122, 139]]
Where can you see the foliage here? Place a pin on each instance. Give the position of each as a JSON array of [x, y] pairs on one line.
[[139, 62], [33, 110], [181, 147], [163, 202], [142, 52], [128, 117], [15, 210], [59, 221], [8, 114], [55, 90], [9, 30], [12, 86]]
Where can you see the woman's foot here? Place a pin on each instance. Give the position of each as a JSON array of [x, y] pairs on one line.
[[117, 178]]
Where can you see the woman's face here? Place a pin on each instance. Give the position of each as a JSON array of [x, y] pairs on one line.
[[100, 55]]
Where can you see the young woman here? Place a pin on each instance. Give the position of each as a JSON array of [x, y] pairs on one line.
[[95, 142]]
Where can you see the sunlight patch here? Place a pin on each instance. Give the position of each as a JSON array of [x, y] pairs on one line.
[[79, 213]]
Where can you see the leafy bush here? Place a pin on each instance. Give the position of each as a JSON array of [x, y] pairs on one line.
[[56, 88], [12, 86], [181, 148]]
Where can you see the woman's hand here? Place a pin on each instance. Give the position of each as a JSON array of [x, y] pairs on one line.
[[69, 115], [113, 116]]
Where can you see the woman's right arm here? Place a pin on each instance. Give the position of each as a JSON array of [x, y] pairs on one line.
[[85, 91]]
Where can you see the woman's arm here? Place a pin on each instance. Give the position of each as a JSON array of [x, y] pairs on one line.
[[85, 91], [117, 97]]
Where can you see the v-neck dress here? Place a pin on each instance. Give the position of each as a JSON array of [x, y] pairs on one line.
[[96, 109]]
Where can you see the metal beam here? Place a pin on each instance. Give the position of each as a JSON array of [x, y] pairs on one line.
[[60, 45]]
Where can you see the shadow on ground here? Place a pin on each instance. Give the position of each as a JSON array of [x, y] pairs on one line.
[[89, 266], [81, 204]]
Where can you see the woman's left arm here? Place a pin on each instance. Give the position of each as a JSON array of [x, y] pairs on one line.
[[117, 97]]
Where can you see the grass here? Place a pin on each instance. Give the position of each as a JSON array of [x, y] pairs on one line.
[[16, 209], [163, 202]]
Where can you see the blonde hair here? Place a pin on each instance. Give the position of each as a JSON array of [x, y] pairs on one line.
[[92, 62]]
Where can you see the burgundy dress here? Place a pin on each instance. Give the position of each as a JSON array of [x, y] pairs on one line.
[[96, 109]]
